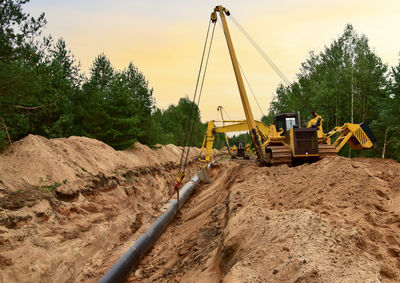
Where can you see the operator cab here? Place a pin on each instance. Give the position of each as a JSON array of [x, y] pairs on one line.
[[240, 145], [286, 121]]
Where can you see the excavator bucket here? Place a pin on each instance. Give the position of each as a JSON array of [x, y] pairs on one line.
[[203, 175], [362, 137]]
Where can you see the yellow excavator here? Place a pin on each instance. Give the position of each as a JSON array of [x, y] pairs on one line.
[[240, 149], [284, 141]]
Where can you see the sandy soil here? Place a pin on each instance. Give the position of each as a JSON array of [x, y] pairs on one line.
[[69, 208], [66, 205], [337, 220]]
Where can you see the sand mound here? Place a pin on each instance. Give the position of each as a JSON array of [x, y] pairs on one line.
[[67, 204], [70, 207], [69, 162], [336, 220]]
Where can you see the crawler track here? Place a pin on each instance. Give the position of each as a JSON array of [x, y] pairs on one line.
[[326, 150], [277, 155]]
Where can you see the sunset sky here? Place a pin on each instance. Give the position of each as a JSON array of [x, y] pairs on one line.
[[164, 39]]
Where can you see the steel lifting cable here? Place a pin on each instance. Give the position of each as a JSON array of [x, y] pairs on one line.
[[248, 84], [227, 115], [251, 89], [261, 51], [200, 92], [194, 97], [182, 166]]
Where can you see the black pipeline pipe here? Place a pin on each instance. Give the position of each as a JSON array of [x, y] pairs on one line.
[[130, 259]]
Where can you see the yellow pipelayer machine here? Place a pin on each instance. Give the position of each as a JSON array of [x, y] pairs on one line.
[[283, 142]]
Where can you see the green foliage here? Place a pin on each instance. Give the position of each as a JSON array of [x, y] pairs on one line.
[[220, 140], [268, 119], [172, 123], [3, 140], [20, 60], [114, 106], [38, 79], [389, 117], [50, 188], [42, 91], [18, 30], [327, 81], [245, 137]]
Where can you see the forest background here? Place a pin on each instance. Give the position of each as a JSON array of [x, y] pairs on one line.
[[43, 91]]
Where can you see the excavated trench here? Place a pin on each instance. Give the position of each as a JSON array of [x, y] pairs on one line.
[[72, 231], [72, 238], [336, 220]]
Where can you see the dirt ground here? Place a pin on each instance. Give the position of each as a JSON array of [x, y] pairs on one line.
[[337, 220], [69, 208], [66, 205]]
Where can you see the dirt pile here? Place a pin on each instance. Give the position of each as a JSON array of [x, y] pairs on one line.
[[70, 207], [68, 164], [337, 220], [67, 204]]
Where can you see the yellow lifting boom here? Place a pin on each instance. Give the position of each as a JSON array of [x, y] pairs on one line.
[[242, 91], [284, 141]]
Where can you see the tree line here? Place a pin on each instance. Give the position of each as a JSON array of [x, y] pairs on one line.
[[347, 82], [44, 92]]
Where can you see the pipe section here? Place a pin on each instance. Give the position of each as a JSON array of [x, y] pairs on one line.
[[131, 258]]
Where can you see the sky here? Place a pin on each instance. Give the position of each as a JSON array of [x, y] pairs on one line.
[[165, 38]]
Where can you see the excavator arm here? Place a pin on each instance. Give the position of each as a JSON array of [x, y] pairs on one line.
[[237, 126]]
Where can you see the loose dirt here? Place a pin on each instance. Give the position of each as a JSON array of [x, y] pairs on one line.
[[67, 205], [69, 208], [337, 220]]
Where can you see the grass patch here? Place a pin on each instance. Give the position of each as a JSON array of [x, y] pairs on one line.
[[50, 188], [131, 177], [225, 157], [156, 147]]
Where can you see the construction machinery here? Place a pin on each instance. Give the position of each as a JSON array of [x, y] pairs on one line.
[[240, 149], [223, 123], [284, 141]]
